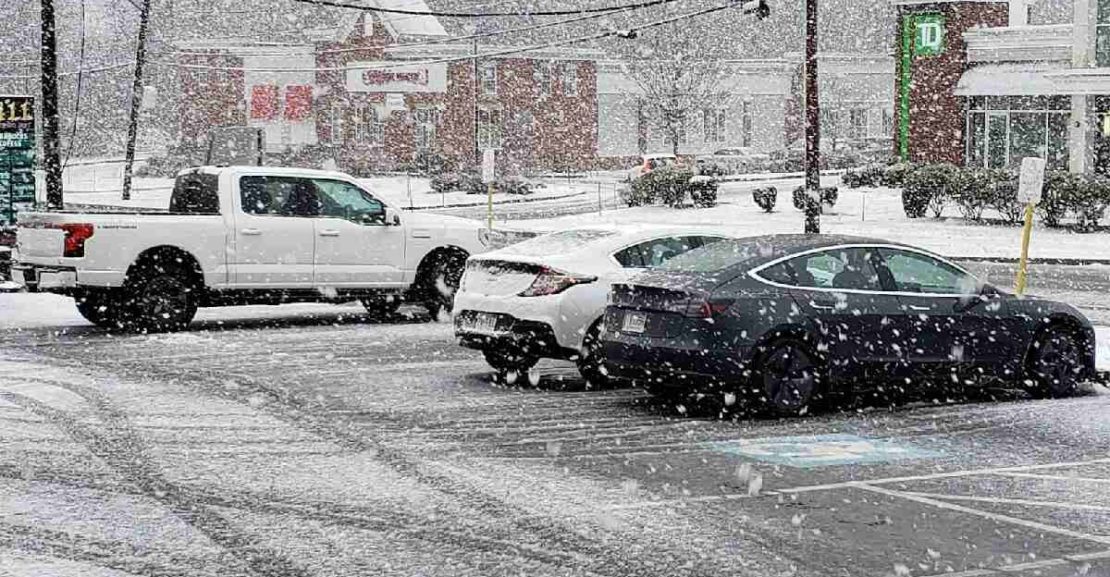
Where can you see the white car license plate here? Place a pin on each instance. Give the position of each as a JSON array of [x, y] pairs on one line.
[[481, 323], [634, 322]]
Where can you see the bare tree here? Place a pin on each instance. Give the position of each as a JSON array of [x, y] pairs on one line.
[[678, 74]]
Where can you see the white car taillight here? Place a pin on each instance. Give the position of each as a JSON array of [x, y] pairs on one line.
[[551, 281]]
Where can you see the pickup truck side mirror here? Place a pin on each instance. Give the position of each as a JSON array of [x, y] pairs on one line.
[[391, 217]]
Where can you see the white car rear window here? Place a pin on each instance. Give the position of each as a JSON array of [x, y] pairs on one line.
[[558, 242]]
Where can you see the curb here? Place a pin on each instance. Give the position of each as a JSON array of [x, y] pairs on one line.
[[512, 201]]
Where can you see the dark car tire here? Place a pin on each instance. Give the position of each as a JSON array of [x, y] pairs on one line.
[[591, 359], [445, 273], [159, 298], [381, 308], [790, 378], [1054, 364], [510, 366]]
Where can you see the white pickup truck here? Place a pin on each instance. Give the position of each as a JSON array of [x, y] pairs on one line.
[[244, 235]]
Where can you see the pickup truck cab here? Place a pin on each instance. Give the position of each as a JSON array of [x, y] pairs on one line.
[[244, 235]]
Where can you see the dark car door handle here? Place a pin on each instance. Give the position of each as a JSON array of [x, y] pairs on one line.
[[822, 304]]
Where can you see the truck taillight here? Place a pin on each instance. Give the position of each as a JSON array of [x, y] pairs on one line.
[[75, 236]]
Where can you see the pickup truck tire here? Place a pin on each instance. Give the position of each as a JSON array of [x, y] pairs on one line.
[[99, 307], [441, 281], [381, 308], [159, 297]]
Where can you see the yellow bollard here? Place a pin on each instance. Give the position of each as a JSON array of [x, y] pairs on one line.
[[489, 206], [1023, 265]]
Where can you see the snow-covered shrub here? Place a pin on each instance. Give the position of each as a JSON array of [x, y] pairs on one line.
[[894, 175], [710, 168], [766, 197], [1060, 192], [703, 191], [927, 188], [513, 185], [870, 175], [970, 190], [1002, 197], [467, 182], [668, 184], [829, 195], [1089, 202]]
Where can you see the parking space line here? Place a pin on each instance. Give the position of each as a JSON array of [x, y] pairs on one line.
[[1097, 556], [1055, 477], [947, 475], [1005, 501], [986, 514], [1032, 565]]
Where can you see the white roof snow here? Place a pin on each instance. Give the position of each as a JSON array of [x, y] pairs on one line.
[[1008, 80], [408, 24]]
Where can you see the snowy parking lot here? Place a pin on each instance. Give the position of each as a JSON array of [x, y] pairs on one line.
[[309, 440]]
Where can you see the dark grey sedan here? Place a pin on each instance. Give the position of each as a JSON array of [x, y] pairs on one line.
[[792, 319]]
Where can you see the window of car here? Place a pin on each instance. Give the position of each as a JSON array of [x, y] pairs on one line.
[[918, 273], [657, 251], [278, 196], [719, 255], [344, 200], [839, 268]]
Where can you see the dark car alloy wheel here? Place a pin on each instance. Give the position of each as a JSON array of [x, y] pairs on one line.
[[591, 360], [510, 366], [789, 377], [1055, 363]]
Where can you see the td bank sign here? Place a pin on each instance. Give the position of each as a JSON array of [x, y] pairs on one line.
[[928, 31]]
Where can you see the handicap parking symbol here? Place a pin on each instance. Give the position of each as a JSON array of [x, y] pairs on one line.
[[812, 451]]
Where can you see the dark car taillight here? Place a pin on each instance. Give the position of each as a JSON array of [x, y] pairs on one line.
[[706, 308], [75, 236], [550, 281]]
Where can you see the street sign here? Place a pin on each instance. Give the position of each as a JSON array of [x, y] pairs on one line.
[[1031, 184], [17, 156], [488, 166], [928, 35], [823, 450]]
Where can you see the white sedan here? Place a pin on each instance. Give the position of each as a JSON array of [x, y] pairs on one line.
[[545, 297]]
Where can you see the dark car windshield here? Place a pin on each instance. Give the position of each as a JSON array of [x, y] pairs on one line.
[[718, 256]]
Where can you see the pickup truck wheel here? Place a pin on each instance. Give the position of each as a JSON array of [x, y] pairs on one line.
[[379, 308], [443, 283], [159, 298], [99, 307]]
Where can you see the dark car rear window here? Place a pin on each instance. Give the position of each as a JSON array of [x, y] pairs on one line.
[[719, 256], [195, 193]]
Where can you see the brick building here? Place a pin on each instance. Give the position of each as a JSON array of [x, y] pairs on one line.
[[987, 83]]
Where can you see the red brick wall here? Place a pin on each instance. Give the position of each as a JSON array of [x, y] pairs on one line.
[[212, 97], [936, 114]]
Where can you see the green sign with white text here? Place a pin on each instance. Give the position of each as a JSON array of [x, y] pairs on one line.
[[928, 35], [17, 156]]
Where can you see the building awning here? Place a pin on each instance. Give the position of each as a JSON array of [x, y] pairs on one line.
[[1009, 80]]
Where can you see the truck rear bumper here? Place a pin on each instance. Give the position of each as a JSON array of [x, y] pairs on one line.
[[44, 279]]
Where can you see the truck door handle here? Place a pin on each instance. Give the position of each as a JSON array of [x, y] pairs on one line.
[[329, 233], [251, 232], [920, 308]]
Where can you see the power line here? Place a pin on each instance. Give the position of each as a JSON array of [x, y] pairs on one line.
[[104, 68], [77, 96], [336, 4], [756, 7]]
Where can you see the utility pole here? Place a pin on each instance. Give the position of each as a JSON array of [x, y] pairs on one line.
[[51, 148], [477, 143], [812, 124], [136, 100]]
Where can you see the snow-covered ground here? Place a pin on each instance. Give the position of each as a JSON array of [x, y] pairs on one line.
[[875, 212], [401, 191]]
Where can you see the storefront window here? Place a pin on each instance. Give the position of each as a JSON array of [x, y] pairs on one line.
[[1002, 130], [1102, 34], [489, 129], [488, 76], [425, 127]]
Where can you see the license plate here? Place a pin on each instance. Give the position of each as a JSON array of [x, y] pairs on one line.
[[481, 323], [634, 323]]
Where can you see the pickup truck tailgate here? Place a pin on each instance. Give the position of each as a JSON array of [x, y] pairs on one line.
[[41, 242]]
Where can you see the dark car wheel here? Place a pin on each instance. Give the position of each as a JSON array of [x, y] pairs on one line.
[[443, 282], [99, 307], [510, 366], [1055, 363], [789, 378], [591, 360], [381, 308]]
